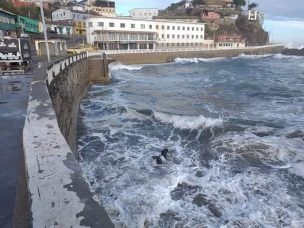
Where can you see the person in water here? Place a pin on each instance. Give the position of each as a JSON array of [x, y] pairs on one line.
[[162, 157]]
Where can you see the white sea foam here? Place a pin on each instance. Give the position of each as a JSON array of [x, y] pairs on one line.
[[196, 60], [280, 56], [119, 66], [244, 56], [187, 122]]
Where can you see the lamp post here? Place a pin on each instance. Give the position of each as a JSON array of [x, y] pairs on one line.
[[45, 32]]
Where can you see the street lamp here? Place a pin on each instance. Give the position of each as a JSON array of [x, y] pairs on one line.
[[45, 32]]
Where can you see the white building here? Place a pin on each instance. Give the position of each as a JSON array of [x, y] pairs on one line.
[[254, 15], [66, 14], [143, 13], [112, 33]]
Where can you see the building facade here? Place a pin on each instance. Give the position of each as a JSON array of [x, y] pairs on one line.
[[123, 33], [226, 41], [27, 25], [211, 17], [8, 25], [75, 18], [58, 27], [143, 13], [66, 14]]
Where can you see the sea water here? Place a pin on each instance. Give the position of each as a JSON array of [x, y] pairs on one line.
[[234, 128]]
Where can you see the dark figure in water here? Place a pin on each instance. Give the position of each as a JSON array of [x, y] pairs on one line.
[[164, 153], [158, 159]]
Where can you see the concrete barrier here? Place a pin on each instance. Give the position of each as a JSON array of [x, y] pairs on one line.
[[59, 194]]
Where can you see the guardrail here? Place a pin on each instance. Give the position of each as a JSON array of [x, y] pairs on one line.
[[54, 69], [140, 51]]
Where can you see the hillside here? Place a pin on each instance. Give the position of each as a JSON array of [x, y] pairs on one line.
[[252, 31]]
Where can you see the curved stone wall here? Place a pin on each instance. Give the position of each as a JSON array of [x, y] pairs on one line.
[[58, 192]]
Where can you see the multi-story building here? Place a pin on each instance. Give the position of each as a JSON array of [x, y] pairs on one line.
[[58, 27], [255, 16], [211, 17], [8, 24], [75, 18], [112, 33], [143, 13], [99, 7], [226, 41]]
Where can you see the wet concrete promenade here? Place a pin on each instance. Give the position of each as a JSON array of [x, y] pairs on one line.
[[14, 91]]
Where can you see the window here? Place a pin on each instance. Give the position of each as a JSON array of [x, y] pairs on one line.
[[157, 27], [196, 28], [192, 28], [90, 24], [183, 36], [142, 26], [173, 36], [188, 28], [168, 27], [187, 36], [132, 25], [100, 24], [202, 29], [196, 36], [168, 36], [173, 27], [150, 26], [122, 25], [192, 36], [183, 28], [111, 24], [163, 36], [178, 36], [163, 27], [201, 36], [178, 28]]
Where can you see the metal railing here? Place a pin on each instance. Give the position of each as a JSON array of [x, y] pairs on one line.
[[140, 51], [57, 67]]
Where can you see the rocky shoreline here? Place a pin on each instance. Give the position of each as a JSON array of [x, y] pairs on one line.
[[292, 51]]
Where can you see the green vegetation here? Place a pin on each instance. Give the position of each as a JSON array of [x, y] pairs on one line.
[[252, 6], [239, 3]]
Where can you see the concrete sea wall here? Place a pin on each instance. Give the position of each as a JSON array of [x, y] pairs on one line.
[[147, 57], [59, 194]]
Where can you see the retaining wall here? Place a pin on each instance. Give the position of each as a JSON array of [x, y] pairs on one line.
[[169, 56], [59, 194]]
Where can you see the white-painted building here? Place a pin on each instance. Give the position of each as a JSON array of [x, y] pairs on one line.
[[66, 14], [112, 33], [254, 15], [143, 13]]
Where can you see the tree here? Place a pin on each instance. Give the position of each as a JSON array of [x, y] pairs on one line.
[[239, 2], [252, 6]]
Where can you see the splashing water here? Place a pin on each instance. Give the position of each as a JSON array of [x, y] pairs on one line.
[[234, 128]]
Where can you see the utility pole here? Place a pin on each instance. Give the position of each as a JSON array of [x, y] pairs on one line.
[[45, 32]]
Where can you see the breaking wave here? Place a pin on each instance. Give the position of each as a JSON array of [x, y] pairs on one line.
[[197, 60], [118, 66], [187, 122]]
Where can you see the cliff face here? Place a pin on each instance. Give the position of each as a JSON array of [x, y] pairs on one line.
[[252, 32]]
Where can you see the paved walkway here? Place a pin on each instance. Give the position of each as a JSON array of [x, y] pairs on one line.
[[14, 92]]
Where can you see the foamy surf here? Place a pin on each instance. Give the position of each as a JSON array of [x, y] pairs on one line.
[[187, 122], [197, 60], [119, 66]]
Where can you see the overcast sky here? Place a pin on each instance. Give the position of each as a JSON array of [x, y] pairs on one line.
[[284, 18]]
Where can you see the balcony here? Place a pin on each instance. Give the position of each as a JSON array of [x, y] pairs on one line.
[[126, 37]]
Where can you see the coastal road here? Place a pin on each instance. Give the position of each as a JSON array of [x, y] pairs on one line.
[[14, 92]]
